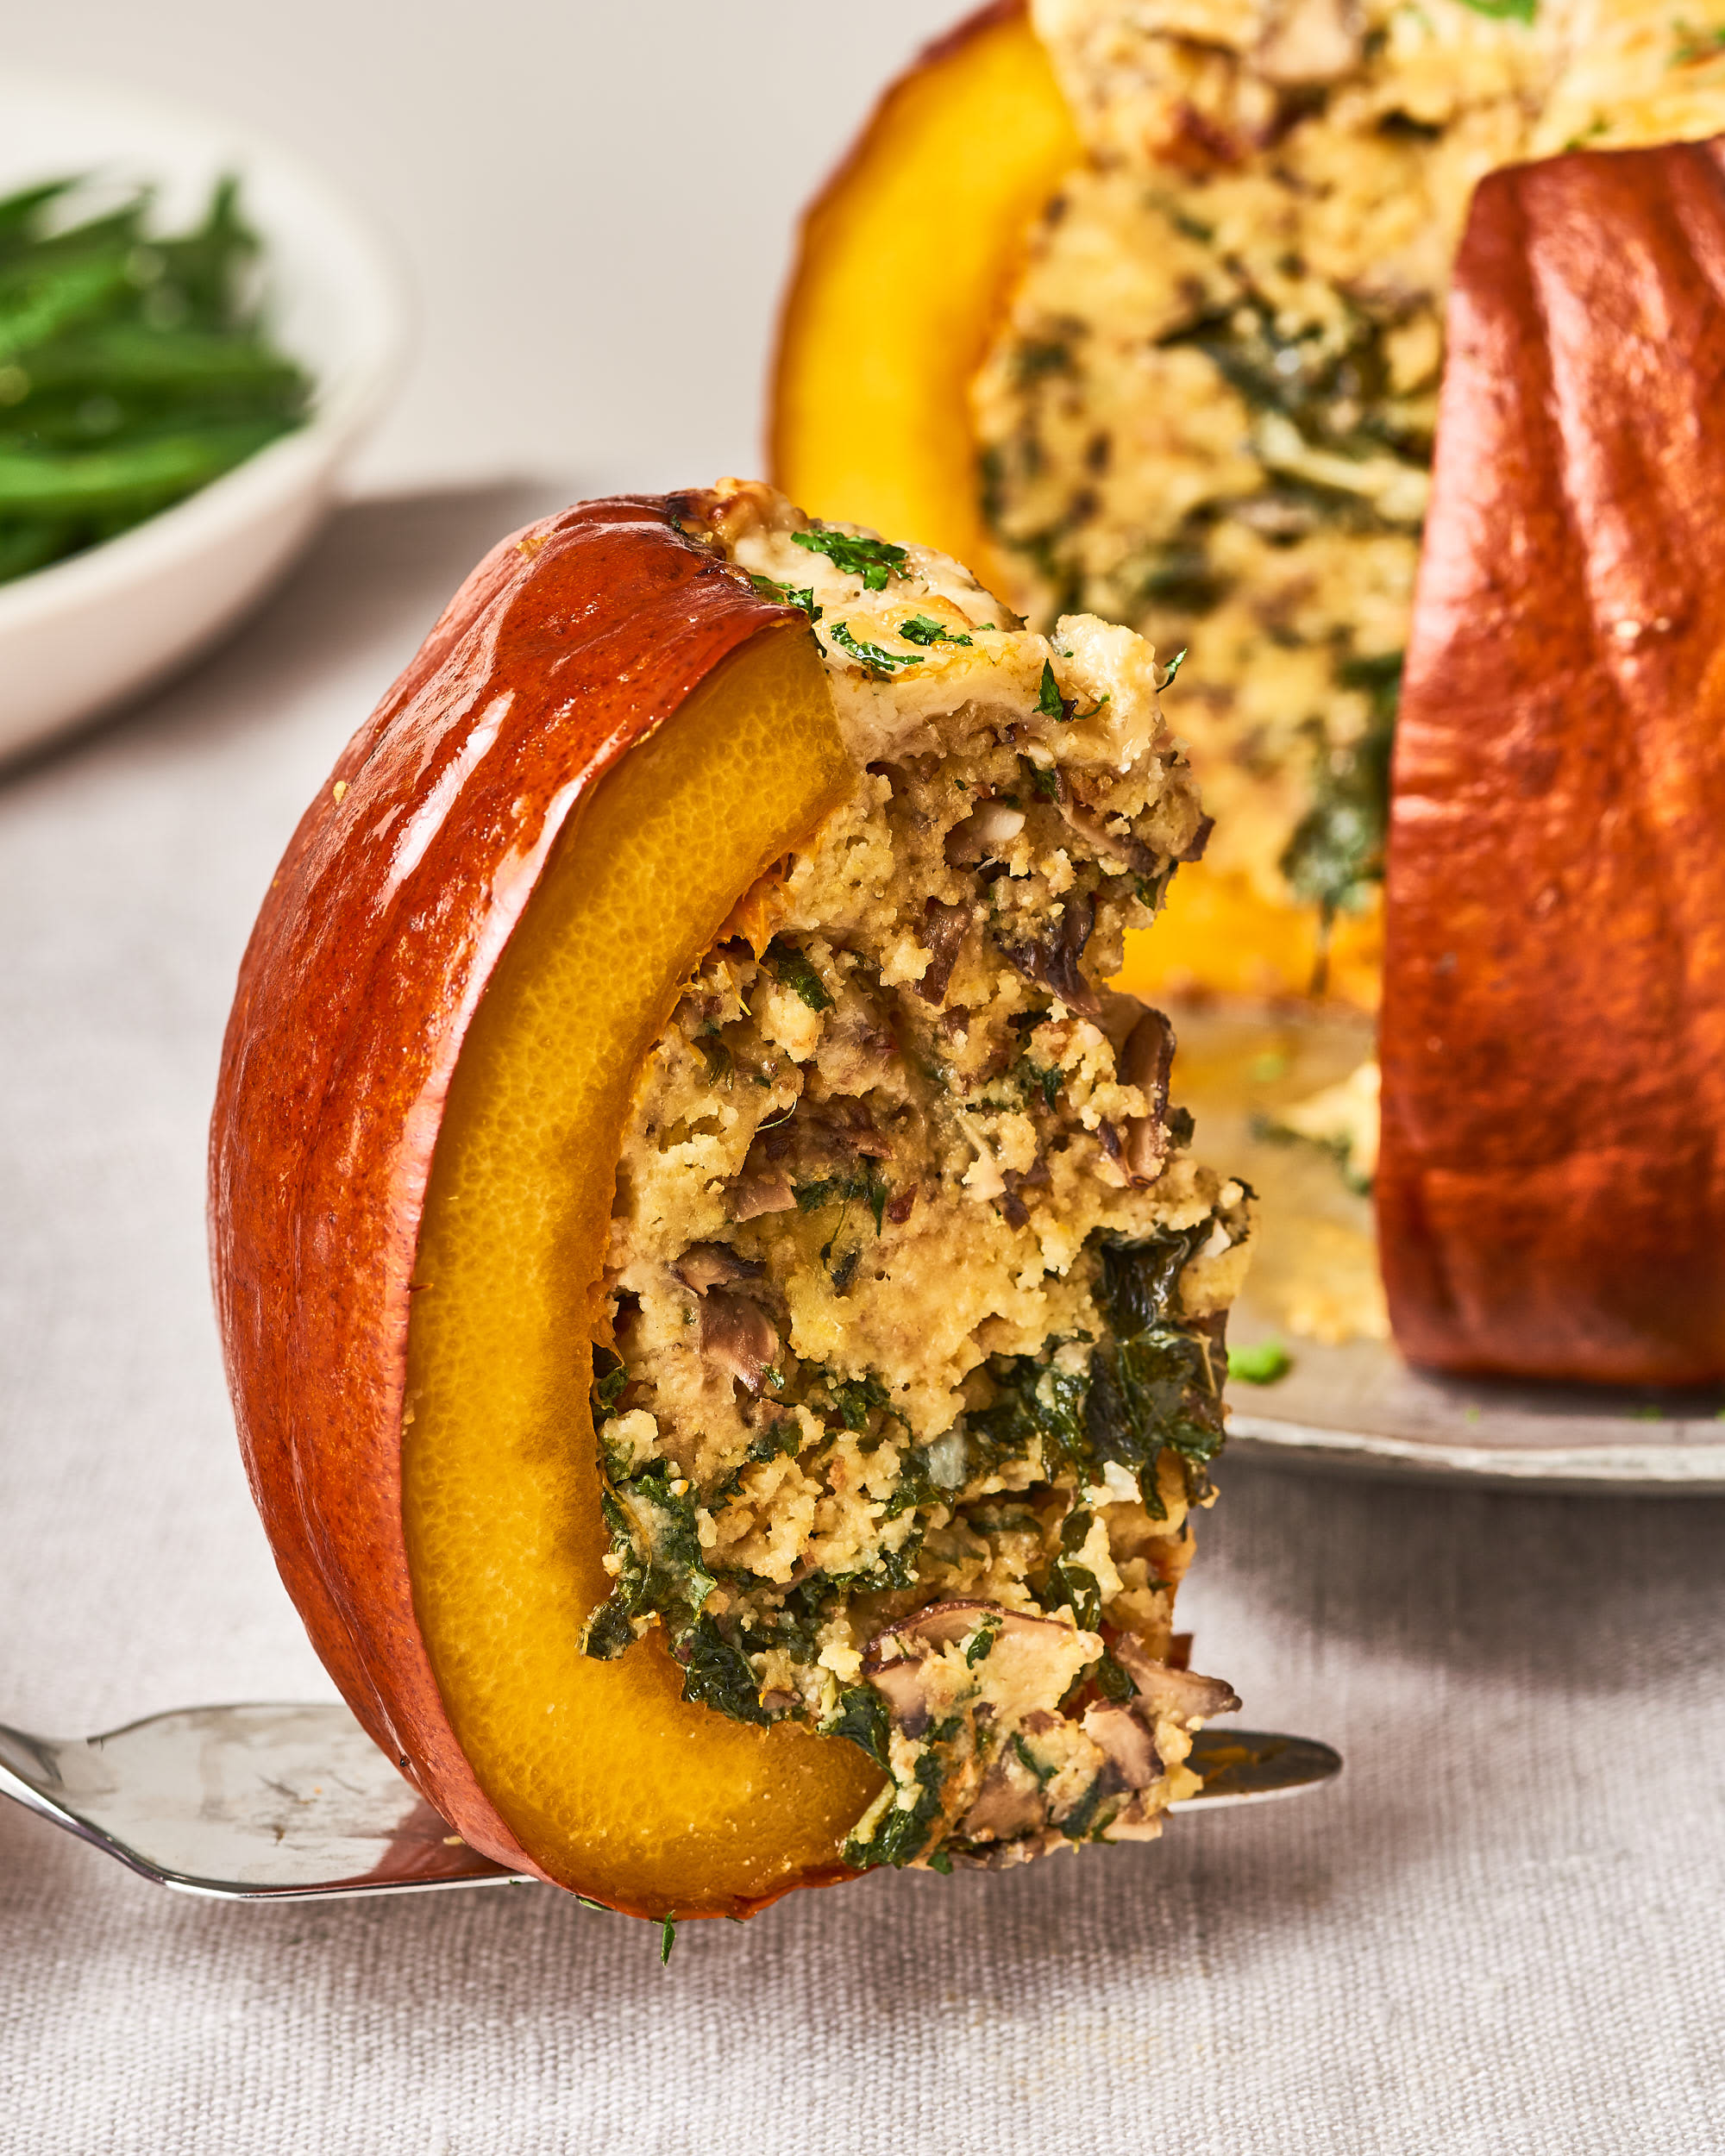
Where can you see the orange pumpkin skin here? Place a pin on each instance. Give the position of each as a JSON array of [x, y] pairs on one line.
[[571, 643], [1552, 1191]]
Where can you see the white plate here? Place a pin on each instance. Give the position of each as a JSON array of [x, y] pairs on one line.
[[88, 633], [1355, 1407]]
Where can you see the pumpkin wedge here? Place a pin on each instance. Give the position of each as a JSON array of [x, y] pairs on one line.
[[649, 1290]]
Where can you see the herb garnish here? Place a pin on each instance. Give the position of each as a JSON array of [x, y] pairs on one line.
[[920, 629], [668, 1939], [1505, 11], [1048, 701], [788, 594], [875, 657], [873, 560]]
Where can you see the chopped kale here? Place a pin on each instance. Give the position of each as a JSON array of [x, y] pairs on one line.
[[1040, 356], [861, 1718], [864, 1182], [873, 560], [1046, 784], [793, 970], [720, 1068], [982, 1641], [855, 1397], [653, 1529], [920, 629], [1180, 1126], [1337, 850], [844, 1271], [874, 656], [718, 1674], [903, 1834], [788, 595], [610, 1374]]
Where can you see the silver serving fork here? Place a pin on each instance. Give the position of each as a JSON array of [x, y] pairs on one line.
[[286, 1803]]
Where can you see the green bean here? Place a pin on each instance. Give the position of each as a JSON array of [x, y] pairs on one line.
[[135, 367]]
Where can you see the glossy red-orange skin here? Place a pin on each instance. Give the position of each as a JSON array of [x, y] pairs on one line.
[[1552, 1191], [570, 644]]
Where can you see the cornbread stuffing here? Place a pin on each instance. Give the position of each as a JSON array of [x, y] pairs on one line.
[[911, 1374], [1209, 411]]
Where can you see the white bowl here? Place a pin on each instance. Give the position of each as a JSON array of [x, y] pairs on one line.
[[86, 633]]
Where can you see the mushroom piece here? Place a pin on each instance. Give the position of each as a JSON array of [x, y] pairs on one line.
[[1165, 1690], [704, 1265], [991, 825], [737, 1336], [944, 931], [770, 1192], [1089, 826], [1146, 1061], [1009, 1803], [1121, 1738], [1054, 962]]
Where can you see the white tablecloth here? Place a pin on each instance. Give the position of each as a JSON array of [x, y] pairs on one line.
[[1503, 1931]]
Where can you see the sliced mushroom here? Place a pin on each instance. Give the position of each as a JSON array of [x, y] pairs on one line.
[[770, 1192], [990, 826], [704, 1265], [1055, 961], [1089, 826], [1309, 43], [737, 1336], [1123, 1741], [903, 1686], [1193, 847], [1165, 1690], [943, 937], [1009, 1803], [1146, 1061]]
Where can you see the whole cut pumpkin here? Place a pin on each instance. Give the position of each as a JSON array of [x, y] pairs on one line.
[[1194, 387], [725, 1326], [1551, 1191]]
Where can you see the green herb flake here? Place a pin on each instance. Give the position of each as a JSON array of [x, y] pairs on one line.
[[875, 657], [788, 595], [668, 1939], [873, 560], [1261, 1363], [920, 629], [1174, 666], [1505, 11], [1048, 701], [1689, 46], [793, 968]]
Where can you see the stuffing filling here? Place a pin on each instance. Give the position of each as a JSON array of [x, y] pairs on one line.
[[1209, 413], [910, 1373]]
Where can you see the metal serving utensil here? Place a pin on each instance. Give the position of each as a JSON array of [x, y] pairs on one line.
[[284, 1803]]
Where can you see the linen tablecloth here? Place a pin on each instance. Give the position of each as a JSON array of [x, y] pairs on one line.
[[1502, 1931]]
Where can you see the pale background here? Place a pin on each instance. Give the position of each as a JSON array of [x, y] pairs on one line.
[[1500, 1933], [594, 203]]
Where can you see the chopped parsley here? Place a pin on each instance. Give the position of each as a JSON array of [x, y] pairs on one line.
[[788, 595], [1174, 666], [873, 560], [1505, 11], [920, 629], [668, 1939], [1048, 701], [875, 657]]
